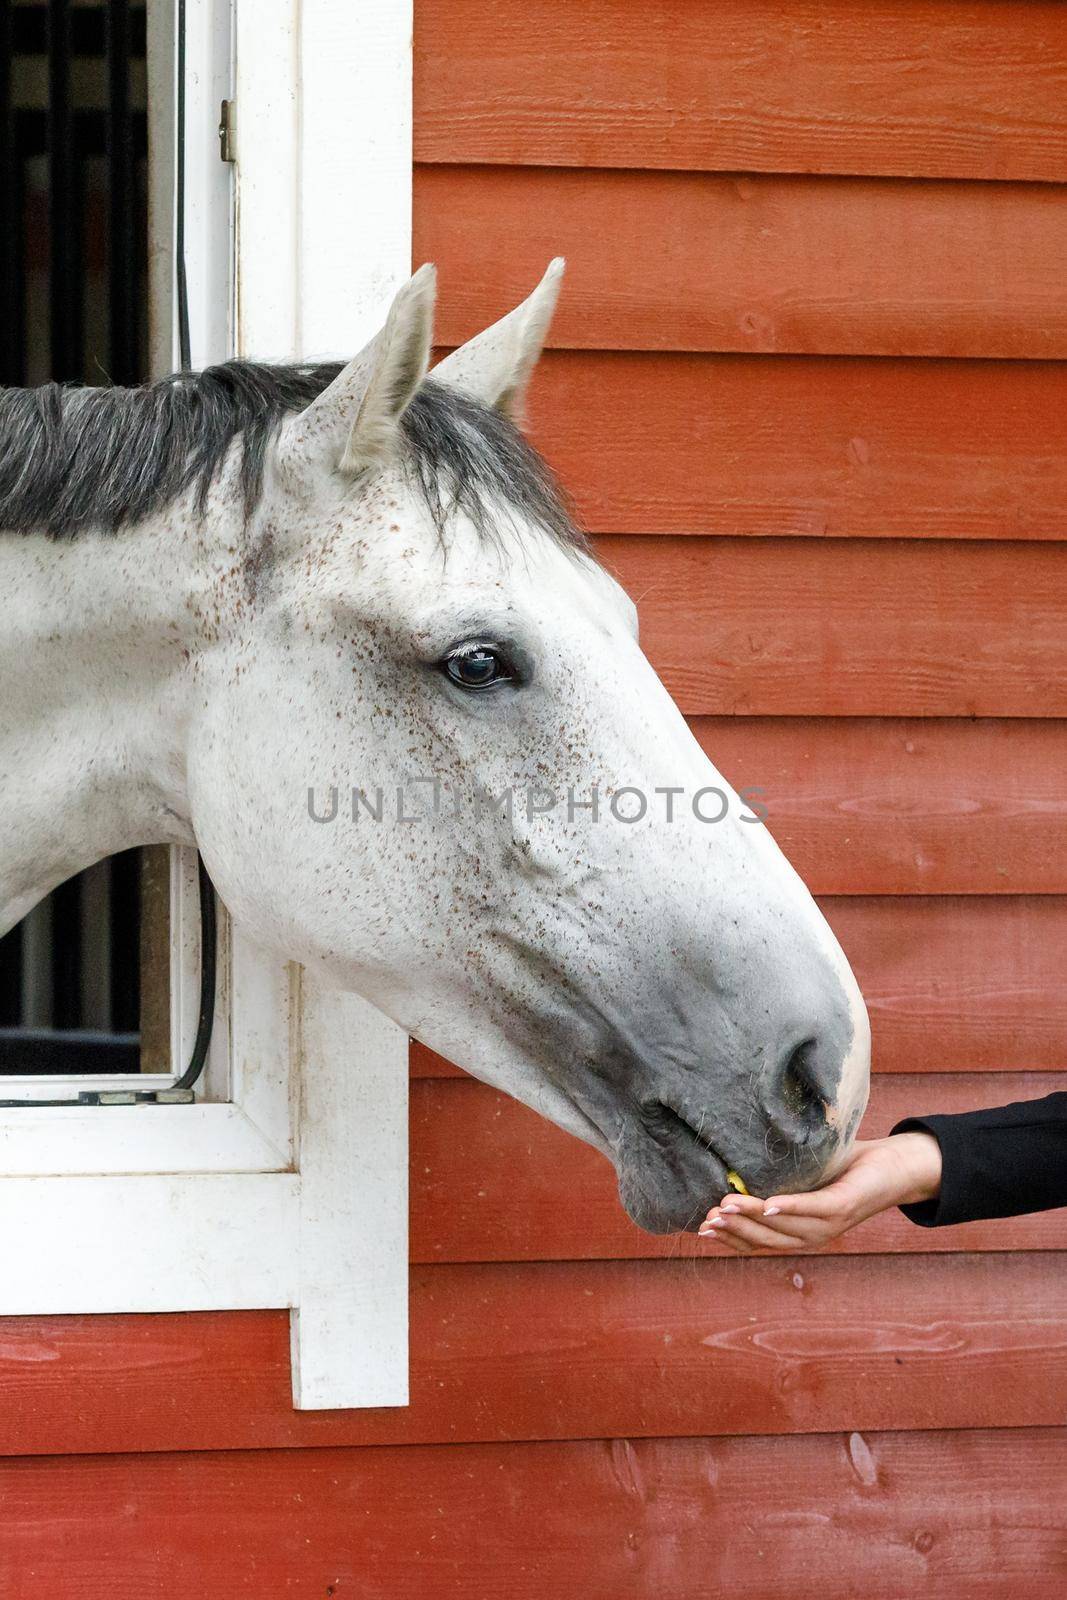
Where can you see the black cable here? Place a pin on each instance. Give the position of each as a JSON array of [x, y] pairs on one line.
[[180, 282], [208, 917], [208, 967]]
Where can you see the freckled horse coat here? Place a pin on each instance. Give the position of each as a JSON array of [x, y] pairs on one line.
[[383, 553]]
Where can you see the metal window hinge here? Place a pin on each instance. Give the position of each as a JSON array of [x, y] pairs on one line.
[[228, 130], [135, 1097]]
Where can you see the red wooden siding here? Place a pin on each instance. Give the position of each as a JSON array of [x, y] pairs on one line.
[[518, 1351], [965, 1515], [808, 387], [857, 627], [942, 89], [652, 442], [906, 806], [687, 261]]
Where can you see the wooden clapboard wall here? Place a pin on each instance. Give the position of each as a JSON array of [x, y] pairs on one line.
[[808, 388]]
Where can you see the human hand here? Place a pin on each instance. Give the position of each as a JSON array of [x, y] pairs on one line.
[[879, 1173]]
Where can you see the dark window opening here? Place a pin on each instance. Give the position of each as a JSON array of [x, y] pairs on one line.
[[85, 974]]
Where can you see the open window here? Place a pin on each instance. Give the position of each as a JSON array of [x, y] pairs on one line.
[[280, 1179], [73, 200]]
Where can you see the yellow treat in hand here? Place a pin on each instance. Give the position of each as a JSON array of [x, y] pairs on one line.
[[736, 1183]]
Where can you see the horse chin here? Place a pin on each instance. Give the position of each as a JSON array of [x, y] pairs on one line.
[[666, 1212], [659, 1217]]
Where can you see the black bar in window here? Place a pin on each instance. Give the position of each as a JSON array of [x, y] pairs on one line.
[[67, 955], [67, 264], [88, 31], [13, 316], [121, 177], [126, 941], [90, 132], [11, 978]]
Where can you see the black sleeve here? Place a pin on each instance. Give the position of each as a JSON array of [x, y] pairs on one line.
[[997, 1163]]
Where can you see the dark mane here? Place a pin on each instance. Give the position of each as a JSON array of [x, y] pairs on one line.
[[72, 459]]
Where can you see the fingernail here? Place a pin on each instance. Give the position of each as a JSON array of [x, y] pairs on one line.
[[717, 1222], [772, 1211], [733, 1210]]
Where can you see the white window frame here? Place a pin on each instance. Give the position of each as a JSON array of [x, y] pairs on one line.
[[285, 1185]]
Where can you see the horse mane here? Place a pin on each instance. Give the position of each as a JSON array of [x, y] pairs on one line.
[[76, 459]]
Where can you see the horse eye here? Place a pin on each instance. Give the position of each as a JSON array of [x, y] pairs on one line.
[[476, 666]]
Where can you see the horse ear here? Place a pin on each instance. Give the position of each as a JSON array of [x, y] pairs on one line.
[[495, 366], [355, 422]]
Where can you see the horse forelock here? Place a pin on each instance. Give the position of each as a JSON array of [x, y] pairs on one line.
[[78, 459]]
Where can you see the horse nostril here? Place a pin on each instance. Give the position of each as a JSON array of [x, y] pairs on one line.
[[801, 1092]]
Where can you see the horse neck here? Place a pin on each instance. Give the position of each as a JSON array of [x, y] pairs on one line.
[[97, 646]]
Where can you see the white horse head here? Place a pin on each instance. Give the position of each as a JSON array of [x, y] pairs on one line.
[[412, 731]]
